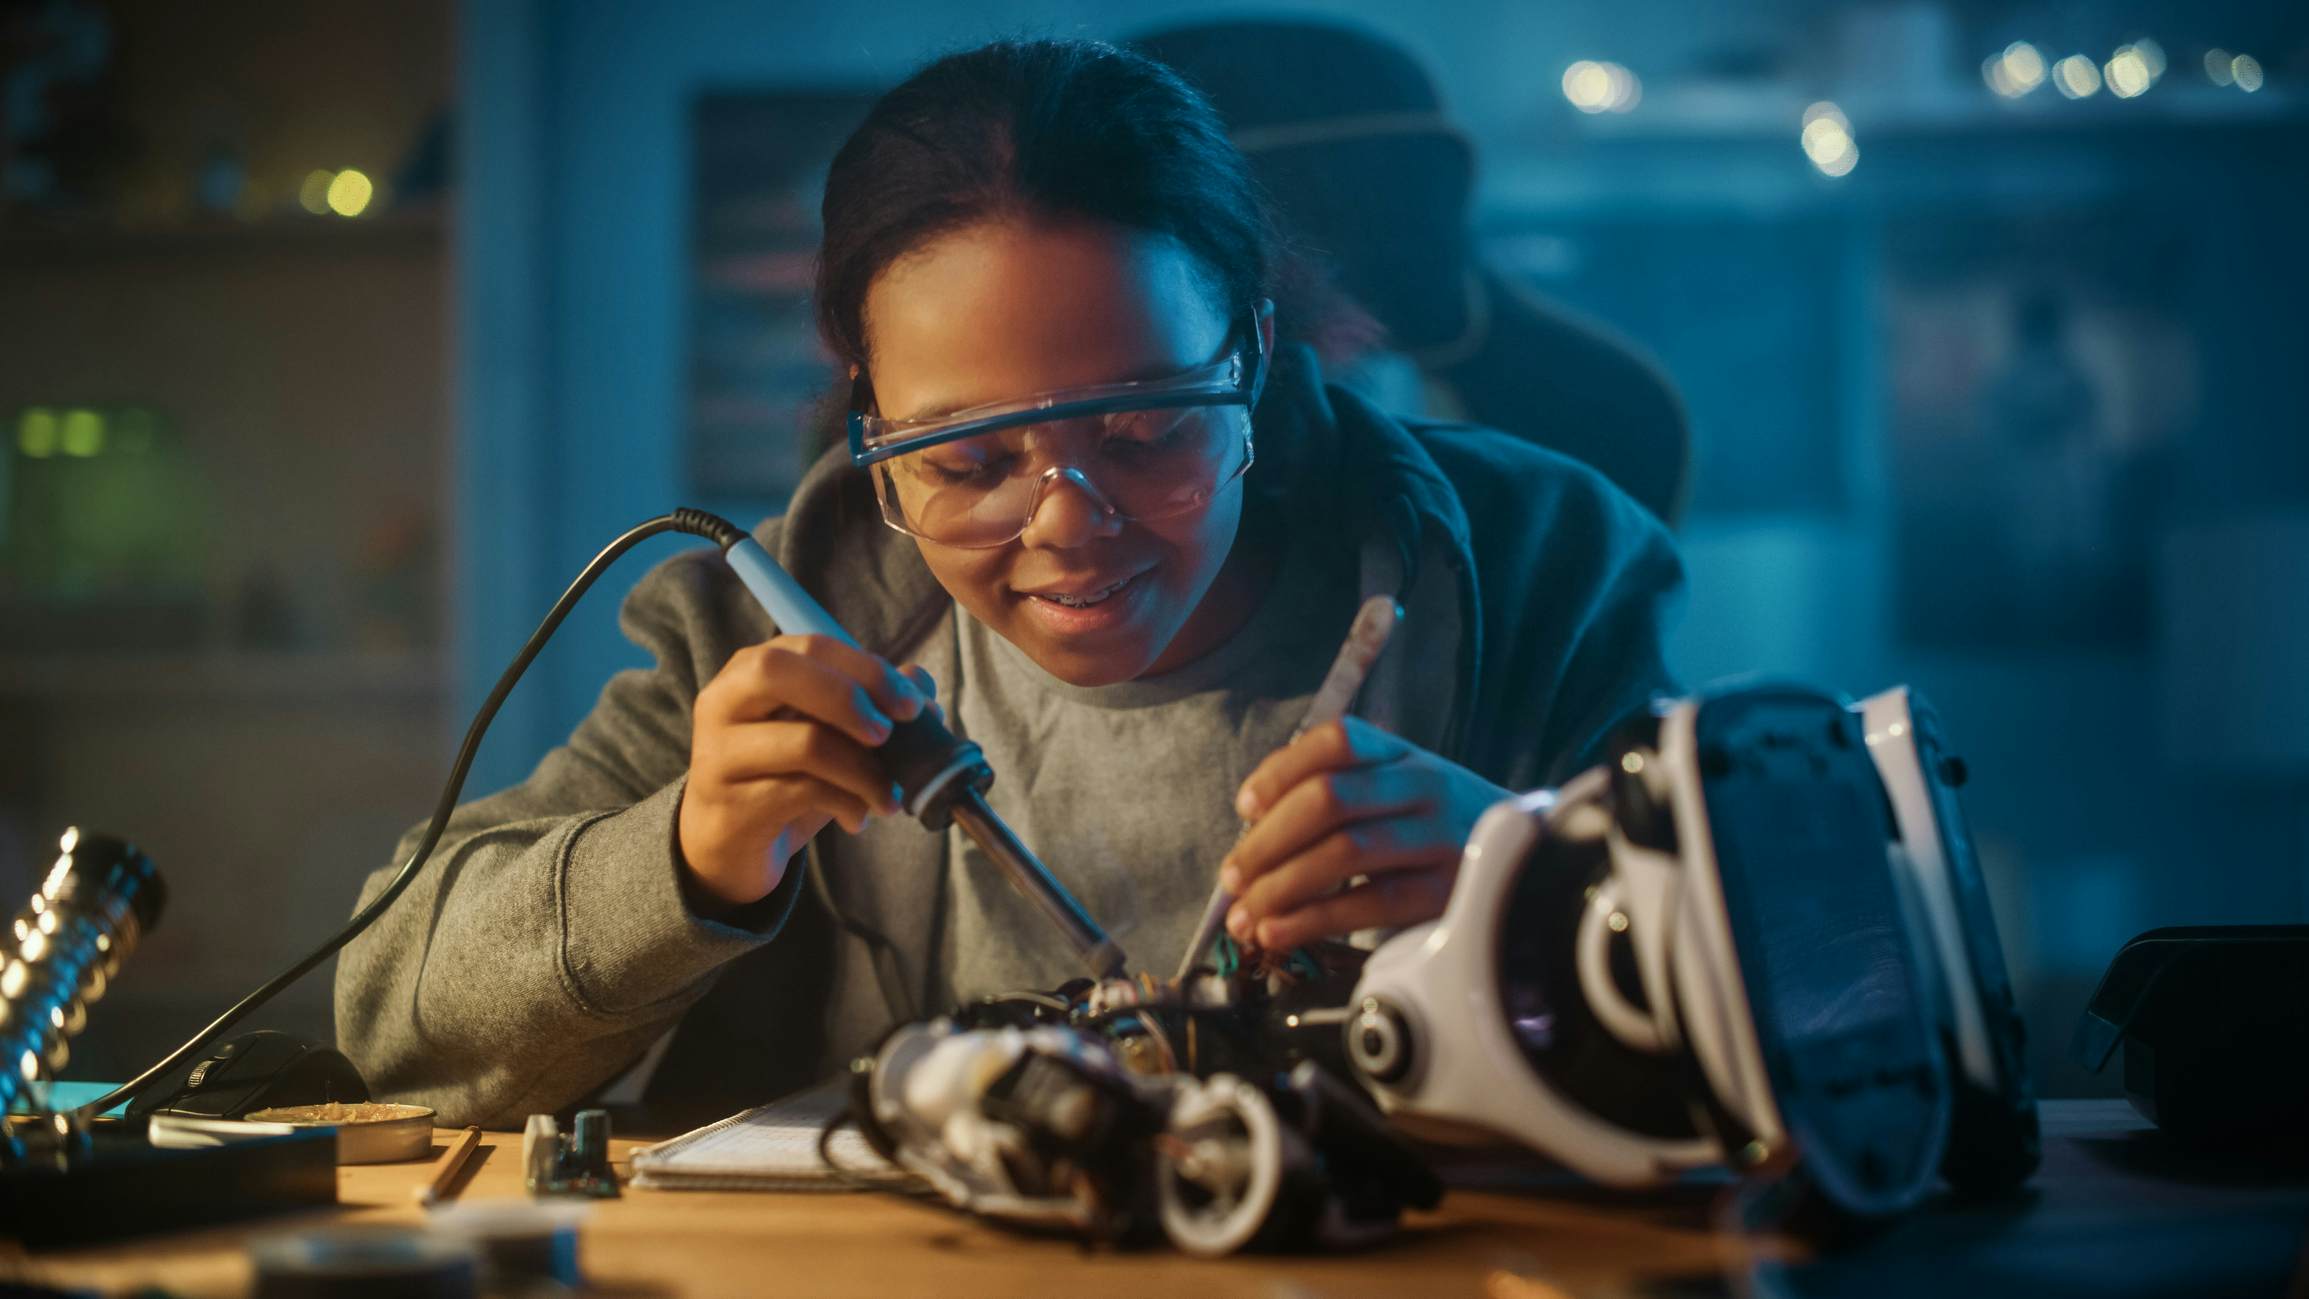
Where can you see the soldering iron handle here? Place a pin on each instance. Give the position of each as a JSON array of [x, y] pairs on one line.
[[941, 777], [932, 767], [795, 610], [928, 762]]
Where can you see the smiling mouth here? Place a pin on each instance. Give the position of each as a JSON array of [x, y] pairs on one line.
[[1087, 599]]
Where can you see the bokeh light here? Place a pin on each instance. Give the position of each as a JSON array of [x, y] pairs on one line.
[[313, 194], [2245, 70], [1595, 86], [2217, 61], [2126, 73], [1587, 86], [2016, 71], [1627, 91], [2077, 76], [83, 433], [1827, 139], [37, 432], [2153, 55], [350, 192]]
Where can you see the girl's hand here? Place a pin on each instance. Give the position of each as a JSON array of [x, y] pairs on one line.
[[781, 744], [1344, 800]]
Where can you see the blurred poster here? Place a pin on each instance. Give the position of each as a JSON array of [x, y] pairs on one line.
[[2039, 378], [761, 389]]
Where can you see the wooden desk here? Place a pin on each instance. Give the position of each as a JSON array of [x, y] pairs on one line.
[[2112, 1210]]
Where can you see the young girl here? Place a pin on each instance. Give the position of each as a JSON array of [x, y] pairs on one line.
[[1119, 533]]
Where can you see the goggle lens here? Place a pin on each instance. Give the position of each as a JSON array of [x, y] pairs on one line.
[[1143, 465]]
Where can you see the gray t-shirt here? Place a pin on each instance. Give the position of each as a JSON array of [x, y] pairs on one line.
[[1126, 791]]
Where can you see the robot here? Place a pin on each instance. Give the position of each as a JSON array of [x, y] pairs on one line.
[[1754, 939], [1130, 1111]]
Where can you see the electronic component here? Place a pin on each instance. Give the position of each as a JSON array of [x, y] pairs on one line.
[[1043, 1124], [573, 1163], [1304, 1163]]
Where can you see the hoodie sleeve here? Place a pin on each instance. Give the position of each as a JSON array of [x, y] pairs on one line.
[[550, 938], [1577, 584]]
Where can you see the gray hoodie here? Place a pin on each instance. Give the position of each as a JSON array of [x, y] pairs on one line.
[[552, 938]]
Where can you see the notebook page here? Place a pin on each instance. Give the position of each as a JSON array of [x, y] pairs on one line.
[[772, 1147]]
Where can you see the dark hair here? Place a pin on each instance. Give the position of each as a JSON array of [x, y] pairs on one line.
[[1041, 128]]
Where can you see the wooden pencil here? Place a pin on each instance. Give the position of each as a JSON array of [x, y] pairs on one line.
[[446, 1168]]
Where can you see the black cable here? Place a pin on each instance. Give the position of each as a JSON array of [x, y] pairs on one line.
[[915, 1186], [880, 950], [695, 522]]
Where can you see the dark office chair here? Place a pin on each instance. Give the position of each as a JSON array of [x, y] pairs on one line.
[[1348, 135]]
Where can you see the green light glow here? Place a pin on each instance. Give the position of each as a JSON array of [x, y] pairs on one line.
[[83, 432], [37, 432]]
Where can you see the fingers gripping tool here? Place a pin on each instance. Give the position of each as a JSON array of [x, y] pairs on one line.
[[942, 778]]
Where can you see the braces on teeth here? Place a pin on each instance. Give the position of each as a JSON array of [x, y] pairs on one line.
[[1085, 602]]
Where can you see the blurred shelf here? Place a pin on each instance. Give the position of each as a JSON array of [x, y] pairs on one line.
[[1709, 152], [26, 241], [226, 677], [1718, 114]]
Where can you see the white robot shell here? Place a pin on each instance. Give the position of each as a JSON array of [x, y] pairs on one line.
[[1995, 1142], [1787, 991], [1432, 1034]]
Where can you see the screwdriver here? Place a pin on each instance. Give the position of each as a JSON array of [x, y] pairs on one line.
[[942, 779], [1366, 637]]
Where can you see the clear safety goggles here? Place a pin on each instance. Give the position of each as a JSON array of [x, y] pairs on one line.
[[1144, 450]]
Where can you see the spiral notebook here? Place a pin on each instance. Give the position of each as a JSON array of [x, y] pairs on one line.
[[772, 1147]]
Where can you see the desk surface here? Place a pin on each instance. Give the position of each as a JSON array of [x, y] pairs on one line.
[[2112, 1212]]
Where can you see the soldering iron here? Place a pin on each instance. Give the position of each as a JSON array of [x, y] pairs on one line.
[[942, 779]]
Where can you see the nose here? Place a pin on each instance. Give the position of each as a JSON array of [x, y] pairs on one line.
[[1069, 511]]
